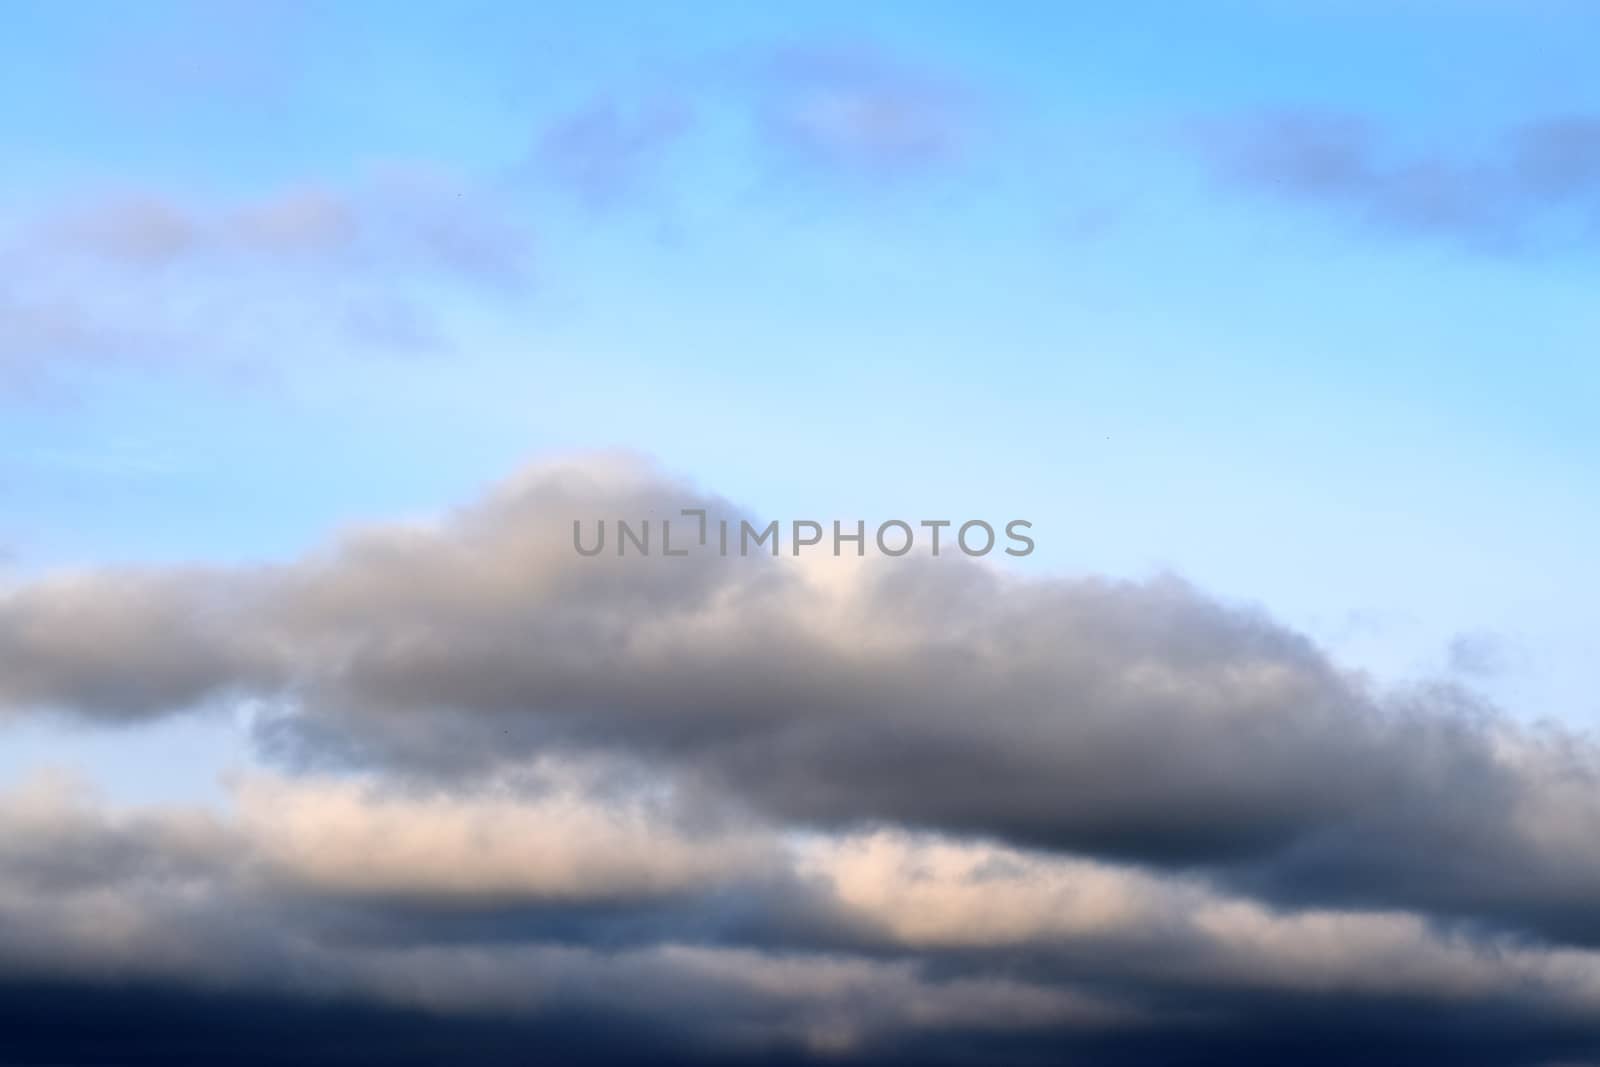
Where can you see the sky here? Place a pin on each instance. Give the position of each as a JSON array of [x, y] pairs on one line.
[[319, 322]]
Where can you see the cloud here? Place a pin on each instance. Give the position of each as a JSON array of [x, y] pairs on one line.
[[1559, 157], [38, 332], [284, 896], [399, 216], [1537, 187], [522, 905], [120, 644], [769, 807], [1139, 722], [134, 229], [849, 111], [856, 110], [603, 152], [1480, 654], [146, 279], [533, 839]]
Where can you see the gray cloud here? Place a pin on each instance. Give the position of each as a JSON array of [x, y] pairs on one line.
[[123, 644], [522, 898], [325, 889], [849, 809], [1135, 721], [1537, 187]]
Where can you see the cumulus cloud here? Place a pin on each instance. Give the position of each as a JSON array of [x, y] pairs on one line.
[[797, 804], [1136, 721]]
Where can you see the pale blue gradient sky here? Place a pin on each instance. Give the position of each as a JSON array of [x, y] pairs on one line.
[[1030, 290]]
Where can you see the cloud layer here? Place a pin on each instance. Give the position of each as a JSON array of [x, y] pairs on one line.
[[853, 803]]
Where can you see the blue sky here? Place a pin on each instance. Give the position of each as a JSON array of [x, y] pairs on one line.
[[1040, 279]]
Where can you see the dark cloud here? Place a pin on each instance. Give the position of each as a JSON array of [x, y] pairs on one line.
[[171, 1023], [164, 1024], [380, 905], [1536, 187]]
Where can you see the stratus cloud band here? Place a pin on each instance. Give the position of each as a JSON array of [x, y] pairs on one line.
[[855, 804]]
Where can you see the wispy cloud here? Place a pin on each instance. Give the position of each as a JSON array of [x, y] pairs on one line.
[[143, 278], [604, 151], [407, 217], [857, 109], [1537, 187]]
